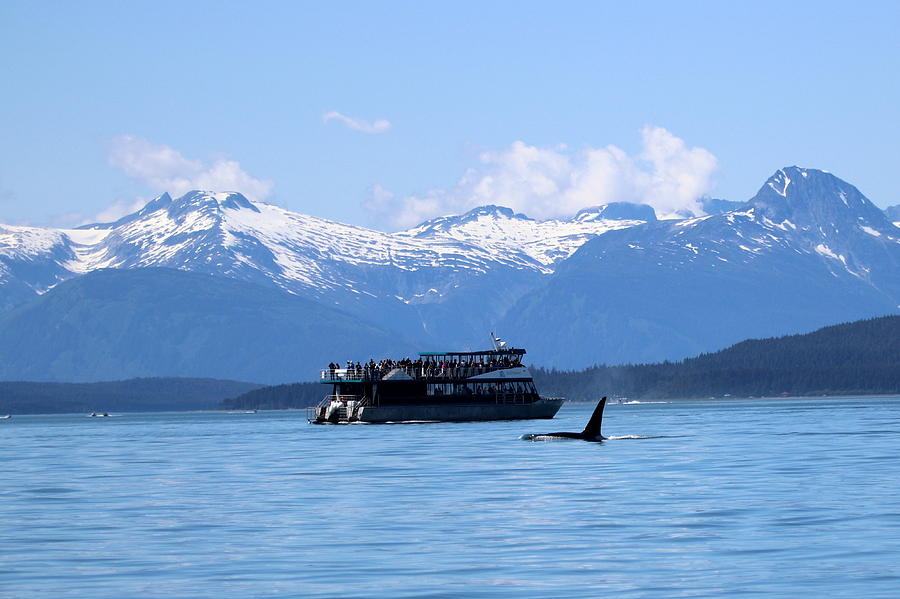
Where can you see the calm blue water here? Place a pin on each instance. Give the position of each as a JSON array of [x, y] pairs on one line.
[[740, 498]]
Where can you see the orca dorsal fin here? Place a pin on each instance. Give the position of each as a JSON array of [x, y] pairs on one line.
[[592, 430]]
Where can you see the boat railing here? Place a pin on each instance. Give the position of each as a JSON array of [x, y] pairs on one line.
[[320, 411], [315, 412], [360, 403], [370, 374], [344, 398]]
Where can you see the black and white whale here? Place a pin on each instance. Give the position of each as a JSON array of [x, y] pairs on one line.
[[591, 432]]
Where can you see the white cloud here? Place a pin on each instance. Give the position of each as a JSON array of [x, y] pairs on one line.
[[116, 211], [556, 182], [163, 168], [377, 126]]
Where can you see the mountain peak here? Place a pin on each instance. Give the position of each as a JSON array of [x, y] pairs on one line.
[[616, 211], [204, 201], [780, 182], [446, 223], [216, 200], [810, 196], [491, 210]]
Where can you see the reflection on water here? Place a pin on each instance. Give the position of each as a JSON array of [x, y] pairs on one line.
[[762, 498]]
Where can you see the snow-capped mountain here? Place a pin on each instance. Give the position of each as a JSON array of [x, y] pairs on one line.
[[612, 284], [227, 234], [32, 259], [807, 250]]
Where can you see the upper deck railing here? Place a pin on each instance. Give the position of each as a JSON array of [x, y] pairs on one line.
[[415, 372]]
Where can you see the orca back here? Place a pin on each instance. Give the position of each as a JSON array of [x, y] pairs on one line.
[[592, 430]]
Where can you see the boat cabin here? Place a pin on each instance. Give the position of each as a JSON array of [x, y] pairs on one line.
[[488, 375]]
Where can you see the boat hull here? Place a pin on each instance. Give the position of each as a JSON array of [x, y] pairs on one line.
[[544, 408]]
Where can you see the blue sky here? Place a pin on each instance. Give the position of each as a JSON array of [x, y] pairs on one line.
[[439, 105]]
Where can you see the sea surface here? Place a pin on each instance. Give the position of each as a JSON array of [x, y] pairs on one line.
[[754, 498]]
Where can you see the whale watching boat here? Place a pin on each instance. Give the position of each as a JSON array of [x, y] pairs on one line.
[[439, 386]]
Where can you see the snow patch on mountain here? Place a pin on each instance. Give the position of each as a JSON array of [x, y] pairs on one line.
[[28, 243], [780, 181], [870, 231], [824, 250], [85, 236], [504, 233]]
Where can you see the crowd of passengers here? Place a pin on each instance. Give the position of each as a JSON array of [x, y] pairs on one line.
[[428, 367]]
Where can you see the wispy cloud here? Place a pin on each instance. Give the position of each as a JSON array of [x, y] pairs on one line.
[[116, 211], [556, 182], [377, 126], [163, 168], [110, 214]]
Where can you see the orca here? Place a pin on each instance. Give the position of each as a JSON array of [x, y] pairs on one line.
[[591, 432]]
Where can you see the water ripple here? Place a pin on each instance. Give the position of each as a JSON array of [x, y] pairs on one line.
[[737, 498]]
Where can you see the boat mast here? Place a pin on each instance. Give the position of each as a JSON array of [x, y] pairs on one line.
[[499, 344]]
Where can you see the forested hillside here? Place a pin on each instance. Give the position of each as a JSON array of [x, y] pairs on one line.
[[134, 395], [855, 358], [279, 397]]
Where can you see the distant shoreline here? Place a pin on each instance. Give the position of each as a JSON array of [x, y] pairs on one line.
[[646, 401]]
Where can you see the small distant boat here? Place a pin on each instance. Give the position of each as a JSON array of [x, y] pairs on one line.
[[99, 414], [7, 417]]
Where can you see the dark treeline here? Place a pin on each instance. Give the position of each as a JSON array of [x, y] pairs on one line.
[[857, 358], [861, 357], [133, 395], [278, 397]]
